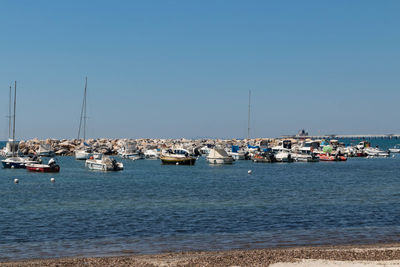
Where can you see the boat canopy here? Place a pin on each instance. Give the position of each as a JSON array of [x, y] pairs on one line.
[[235, 149]]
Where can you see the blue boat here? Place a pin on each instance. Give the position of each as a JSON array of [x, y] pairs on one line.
[[14, 163]]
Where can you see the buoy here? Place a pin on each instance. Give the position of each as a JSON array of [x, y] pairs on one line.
[[249, 171], [12, 166], [177, 163], [52, 180], [16, 181]]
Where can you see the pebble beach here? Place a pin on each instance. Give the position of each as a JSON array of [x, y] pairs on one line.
[[355, 255]]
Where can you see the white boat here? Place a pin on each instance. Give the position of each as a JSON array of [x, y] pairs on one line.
[[11, 149], [395, 149], [104, 164], [82, 154], [305, 152], [236, 153], [204, 151], [45, 150], [129, 151], [376, 152], [283, 151], [219, 156], [151, 154]]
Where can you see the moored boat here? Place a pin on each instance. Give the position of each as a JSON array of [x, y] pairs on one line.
[[267, 157], [19, 162], [218, 155], [104, 164], [177, 157], [327, 157], [51, 166]]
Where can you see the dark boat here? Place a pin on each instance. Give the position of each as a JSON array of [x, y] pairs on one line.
[[266, 157]]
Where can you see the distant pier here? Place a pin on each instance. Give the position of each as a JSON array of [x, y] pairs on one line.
[[345, 136]]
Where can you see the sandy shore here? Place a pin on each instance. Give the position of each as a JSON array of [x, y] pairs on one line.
[[372, 255]]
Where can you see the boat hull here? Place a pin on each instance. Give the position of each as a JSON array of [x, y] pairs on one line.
[[42, 168], [13, 165], [98, 166], [220, 160], [178, 161], [82, 155], [332, 158]]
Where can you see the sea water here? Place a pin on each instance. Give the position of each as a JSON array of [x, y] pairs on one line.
[[151, 208]]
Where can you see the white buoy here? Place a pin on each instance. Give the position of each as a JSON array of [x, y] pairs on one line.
[[177, 163], [52, 180], [249, 171], [16, 181]]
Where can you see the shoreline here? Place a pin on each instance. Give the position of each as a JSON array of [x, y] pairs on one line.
[[359, 255]]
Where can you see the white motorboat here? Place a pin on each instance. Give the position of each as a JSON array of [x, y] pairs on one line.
[[395, 149], [283, 151], [219, 156], [45, 150], [129, 151], [305, 152], [151, 154], [375, 152], [104, 164], [205, 150]]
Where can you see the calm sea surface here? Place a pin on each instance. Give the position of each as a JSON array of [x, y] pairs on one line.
[[150, 208]]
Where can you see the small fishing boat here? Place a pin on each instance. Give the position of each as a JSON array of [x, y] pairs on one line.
[[376, 152], [218, 155], [104, 164], [395, 149], [51, 166], [177, 157]]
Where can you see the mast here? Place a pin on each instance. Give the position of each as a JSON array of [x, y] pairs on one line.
[[83, 115], [84, 118], [9, 113], [248, 118], [15, 105]]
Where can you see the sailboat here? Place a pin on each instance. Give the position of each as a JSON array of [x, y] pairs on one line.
[[11, 145], [16, 162], [84, 152]]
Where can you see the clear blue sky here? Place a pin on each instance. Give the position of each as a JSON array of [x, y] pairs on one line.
[[184, 68]]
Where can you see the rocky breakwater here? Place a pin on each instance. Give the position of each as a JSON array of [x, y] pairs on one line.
[[65, 147]]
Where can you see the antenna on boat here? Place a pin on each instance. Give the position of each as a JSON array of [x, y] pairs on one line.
[[248, 118], [15, 104]]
